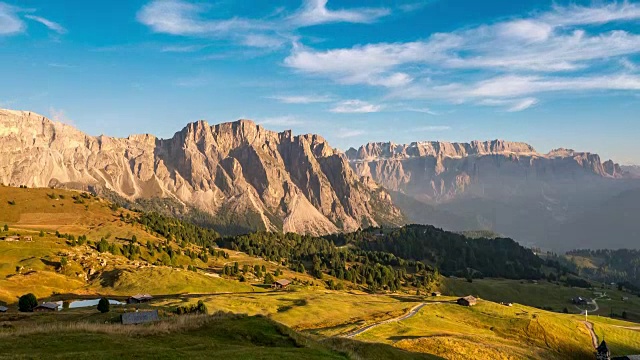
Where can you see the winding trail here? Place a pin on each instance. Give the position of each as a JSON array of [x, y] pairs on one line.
[[594, 302], [594, 337], [406, 316]]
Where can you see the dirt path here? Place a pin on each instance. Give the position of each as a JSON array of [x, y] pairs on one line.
[[406, 316], [594, 337], [636, 328], [595, 304]]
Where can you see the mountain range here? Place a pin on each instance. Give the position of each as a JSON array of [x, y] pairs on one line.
[[239, 176], [507, 187], [242, 175]]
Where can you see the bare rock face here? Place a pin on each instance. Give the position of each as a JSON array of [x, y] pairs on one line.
[[440, 171], [237, 171], [509, 188]]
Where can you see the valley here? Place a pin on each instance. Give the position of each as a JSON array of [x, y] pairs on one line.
[[321, 314]]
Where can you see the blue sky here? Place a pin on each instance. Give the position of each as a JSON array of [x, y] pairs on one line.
[[550, 73]]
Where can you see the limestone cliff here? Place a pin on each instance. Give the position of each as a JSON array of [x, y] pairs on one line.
[[238, 172]]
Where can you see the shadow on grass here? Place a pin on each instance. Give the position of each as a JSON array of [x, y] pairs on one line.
[[398, 338], [109, 278], [55, 264]]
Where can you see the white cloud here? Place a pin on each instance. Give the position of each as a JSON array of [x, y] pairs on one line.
[[344, 133], [183, 48], [302, 99], [315, 12], [582, 15], [263, 41], [628, 64], [193, 82], [177, 17], [10, 23], [61, 65], [512, 59], [433, 128], [512, 105], [421, 110], [355, 106], [281, 121], [183, 18], [53, 26], [59, 115]]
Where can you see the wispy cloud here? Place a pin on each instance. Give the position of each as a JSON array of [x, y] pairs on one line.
[[281, 121], [60, 116], [302, 99], [10, 23], [344, 133], [60, 65], [12, 20], [183, 48], [512, 105], [183, 18], [519, 57], [315, 12], [193, 82], [423, 110], [432, 128], [53, 26], [355, 106]]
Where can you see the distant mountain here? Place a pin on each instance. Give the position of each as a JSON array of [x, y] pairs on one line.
[[502, 186], [243, 176], [633, 170]]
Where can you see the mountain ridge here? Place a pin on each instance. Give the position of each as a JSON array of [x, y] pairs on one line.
[[501, 186], [261, 179]]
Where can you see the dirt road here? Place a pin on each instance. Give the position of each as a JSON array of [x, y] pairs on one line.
[[406, 316]]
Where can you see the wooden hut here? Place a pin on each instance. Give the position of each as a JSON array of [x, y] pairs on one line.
[[467, 301]]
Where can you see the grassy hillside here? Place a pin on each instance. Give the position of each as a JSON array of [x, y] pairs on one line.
[[489, 331], [180, 265], [37, 266], [193, 337], [547, 295]]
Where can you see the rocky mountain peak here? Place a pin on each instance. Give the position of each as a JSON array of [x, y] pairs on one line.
[[245, 176], [438, 149]]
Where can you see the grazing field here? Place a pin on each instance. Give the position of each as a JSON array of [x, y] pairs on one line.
[[318, 311], [546, 295], [489, 331], [622, 337], [306, 320], [83, 334], [65, 211]]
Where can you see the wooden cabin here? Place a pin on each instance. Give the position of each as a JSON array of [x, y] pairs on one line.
[[281, 284], [467, 301]]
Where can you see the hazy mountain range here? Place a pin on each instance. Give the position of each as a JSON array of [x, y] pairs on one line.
[[244, 177], [548, 200]]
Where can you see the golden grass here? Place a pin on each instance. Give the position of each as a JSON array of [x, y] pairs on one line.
[[165, 326], [453, 331]]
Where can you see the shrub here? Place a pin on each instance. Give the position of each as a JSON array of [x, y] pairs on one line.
[[27, 302], [103, 305]]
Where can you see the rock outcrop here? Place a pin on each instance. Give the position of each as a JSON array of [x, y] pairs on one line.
[[440, 171], [502, 186], [238, 172]]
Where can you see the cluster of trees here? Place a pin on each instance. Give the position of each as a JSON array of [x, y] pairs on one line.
[[27, 302], [374, 269], [452, 253], [199, 308], [178, 230], [621, 266], [130, 250], [103, 305]]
